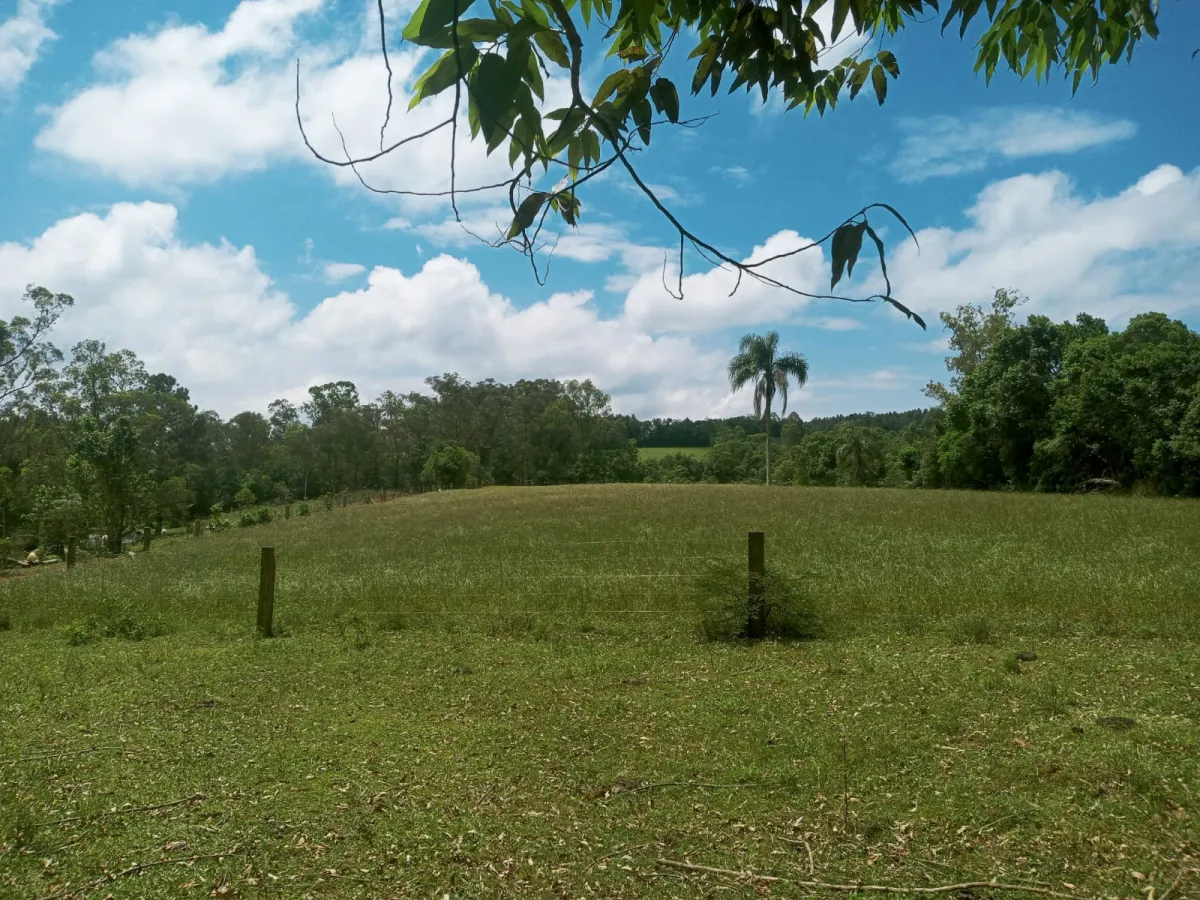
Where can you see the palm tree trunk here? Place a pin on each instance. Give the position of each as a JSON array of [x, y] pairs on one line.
[[767, 429]]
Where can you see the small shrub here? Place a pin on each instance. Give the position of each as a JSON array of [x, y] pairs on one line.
[[304, 509], [79, 633], [973, 630], [328, 501], [1011, 664], [724, 607], [247, 520], [263, 515], [1053, 700], [394, 621], [5, 620], [115, 621]]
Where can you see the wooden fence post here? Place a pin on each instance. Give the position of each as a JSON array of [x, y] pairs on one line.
[[287, 511], [198, 527], [266, 592], [756, 607], [145, 539], [71, 552]]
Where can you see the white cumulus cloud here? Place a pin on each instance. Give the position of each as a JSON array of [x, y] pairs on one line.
[[186, 105], [22, 37], [940, 146], [1112, 256]]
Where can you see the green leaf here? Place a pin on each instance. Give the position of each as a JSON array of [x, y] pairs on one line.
[[666, 98], [481, 29], [882, 260], [641, 118], [526, 213], [574, 157], [534, 10], [969, 9], [904, 309], [840, 9], [887, 59], [433, 15], [592, 145], [895, 212], [494, 86], [859, 77], [519, 143], [847, 242], [566, 130], [619, 79], [643, 13], [551, 44], [443, 73], [879, 82], [704, 66], [533, 77]]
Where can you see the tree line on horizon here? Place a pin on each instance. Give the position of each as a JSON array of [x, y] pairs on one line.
[[92, 440]]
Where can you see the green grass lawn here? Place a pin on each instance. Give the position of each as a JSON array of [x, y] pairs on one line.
[[646, 453], [501, 693]]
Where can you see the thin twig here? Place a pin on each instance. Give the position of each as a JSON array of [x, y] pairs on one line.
[[124, 812], [139, 867], [388, 65], [68, 753], [863, 888], [687, 784]]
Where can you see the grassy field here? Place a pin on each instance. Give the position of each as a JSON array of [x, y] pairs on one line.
[[502, 693], [645, 453]]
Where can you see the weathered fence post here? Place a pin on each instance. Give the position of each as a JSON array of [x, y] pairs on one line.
[[71, 552], [287, 511], [145, 539], [266, 592], [198, 527], [756, 606]]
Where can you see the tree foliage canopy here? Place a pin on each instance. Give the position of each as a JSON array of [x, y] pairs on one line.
[[495, 57]]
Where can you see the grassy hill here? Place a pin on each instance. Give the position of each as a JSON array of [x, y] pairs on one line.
[[502, 693]]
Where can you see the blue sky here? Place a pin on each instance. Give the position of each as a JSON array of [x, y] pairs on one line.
[[153, 169]]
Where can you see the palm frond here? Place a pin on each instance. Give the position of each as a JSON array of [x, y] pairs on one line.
[[742, 370], [795, 365]]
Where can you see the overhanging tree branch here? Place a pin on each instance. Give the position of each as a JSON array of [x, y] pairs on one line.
[[495, 67]]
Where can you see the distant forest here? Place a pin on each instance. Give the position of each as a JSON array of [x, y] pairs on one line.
[[91, 440]]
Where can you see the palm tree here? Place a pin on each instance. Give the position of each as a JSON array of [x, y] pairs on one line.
[[759, 361], [856, 451]]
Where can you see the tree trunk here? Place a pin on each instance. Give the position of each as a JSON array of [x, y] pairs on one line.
[[767, 431]]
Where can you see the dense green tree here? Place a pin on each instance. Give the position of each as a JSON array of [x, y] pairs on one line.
[[27, 359], [759, 363], [450, 466]]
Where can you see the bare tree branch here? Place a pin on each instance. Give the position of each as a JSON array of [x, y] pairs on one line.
[[387, 64]]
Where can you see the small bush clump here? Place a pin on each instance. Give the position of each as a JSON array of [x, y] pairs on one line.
[[394, 621], [304, 509], [115, 621], [723, 598], [973, 630]]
